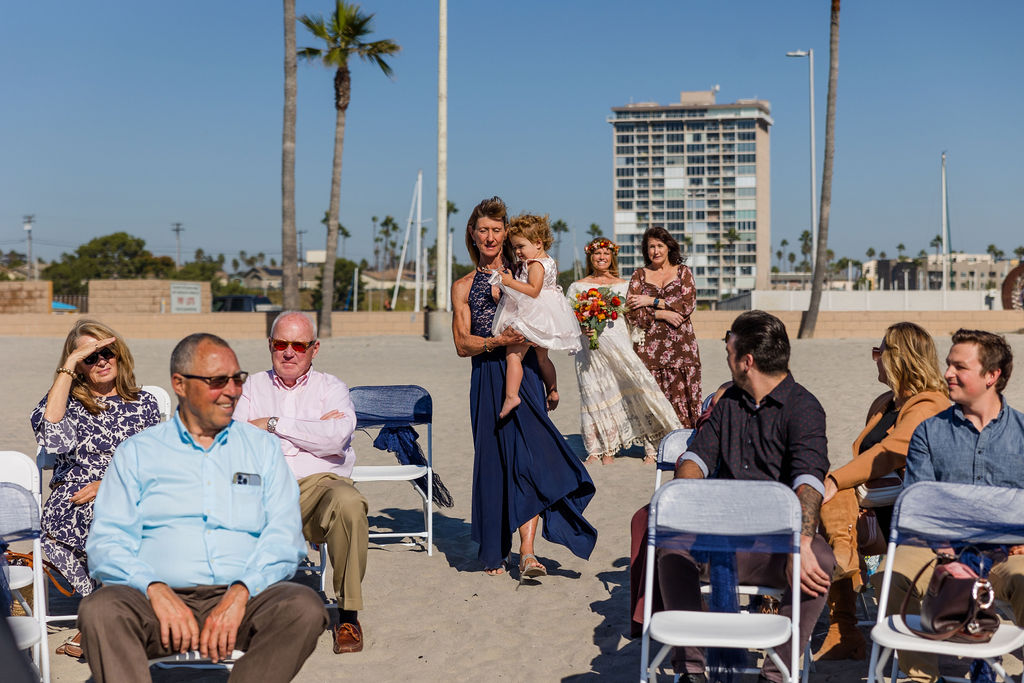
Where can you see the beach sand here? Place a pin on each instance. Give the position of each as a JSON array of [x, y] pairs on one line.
[[440, 617]]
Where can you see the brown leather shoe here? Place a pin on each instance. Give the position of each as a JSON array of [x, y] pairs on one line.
[[348, 638]]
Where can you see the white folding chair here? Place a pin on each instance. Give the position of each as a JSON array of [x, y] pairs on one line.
[[163, 400], [671, 447], [398, 406], [942, 513], [193, 660], [47, 461], [17, 468], [767, 510]]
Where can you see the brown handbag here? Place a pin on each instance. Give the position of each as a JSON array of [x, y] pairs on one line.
[[957, 605]]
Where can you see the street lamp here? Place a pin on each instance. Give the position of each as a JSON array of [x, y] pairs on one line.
[[814, 202]]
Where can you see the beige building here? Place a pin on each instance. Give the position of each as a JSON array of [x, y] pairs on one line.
[[966, 272], [701, 171]]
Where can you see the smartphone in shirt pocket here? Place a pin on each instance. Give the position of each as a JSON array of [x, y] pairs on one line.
[[247, 502]]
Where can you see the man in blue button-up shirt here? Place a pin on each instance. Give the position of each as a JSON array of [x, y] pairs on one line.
[[978, 440], [196, 528]]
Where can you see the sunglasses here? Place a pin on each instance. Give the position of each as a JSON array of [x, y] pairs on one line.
[[297, 346], [727, 337], [876, 352], [94, 357], [220, 381]]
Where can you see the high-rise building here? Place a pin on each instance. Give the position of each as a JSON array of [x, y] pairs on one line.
[[701, 171]]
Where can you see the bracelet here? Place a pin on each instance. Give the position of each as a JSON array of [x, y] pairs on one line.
[[69, 373], [656, 302], [486, 350]]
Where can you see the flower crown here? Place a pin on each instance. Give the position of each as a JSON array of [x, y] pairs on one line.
[[603, 243]]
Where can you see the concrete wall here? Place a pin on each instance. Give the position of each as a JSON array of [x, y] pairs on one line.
[[25, 296], [138, 296], [869, 324], [227, 325], [864, 300]]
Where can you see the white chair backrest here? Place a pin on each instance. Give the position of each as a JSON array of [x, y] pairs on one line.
[[672, 446], [163, 400], [18, 468], [725, 507], [943, 511]]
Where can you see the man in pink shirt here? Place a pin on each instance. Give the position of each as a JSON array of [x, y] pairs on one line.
[[313, 417]]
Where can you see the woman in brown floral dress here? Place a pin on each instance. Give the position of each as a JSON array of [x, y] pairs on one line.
[[662, 296]]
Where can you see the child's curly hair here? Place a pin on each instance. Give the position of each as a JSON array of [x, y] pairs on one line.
[[533, 228]]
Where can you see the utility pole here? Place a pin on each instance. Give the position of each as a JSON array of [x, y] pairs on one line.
[[177, 229], [302, 254], [28, 220], [442, 282]]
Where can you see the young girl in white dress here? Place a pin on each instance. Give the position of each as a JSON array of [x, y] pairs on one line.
[[532, 303]]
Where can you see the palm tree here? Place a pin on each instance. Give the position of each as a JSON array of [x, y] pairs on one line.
[[937, 243], [595, 231], [778, 255], [376, 245], [809, 321], [1019, 252], [388, 229], [344, 35], [806, 244], [995, 251], [558, 228], [900, 248], [289, 250], [870, 253], [342, 231], [792, 260]]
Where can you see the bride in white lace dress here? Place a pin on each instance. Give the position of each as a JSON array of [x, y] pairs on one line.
[[621, 404]]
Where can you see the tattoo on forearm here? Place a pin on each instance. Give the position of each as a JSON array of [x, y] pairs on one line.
[[810, 504]]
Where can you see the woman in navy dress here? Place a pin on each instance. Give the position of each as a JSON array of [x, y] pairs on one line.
[[523, 471]]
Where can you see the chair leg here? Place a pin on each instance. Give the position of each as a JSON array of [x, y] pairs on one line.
[[652, 668], [787, 676]]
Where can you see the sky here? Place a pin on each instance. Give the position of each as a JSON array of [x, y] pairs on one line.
[[128, 116]]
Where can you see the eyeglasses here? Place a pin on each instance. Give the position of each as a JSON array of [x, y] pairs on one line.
[[220, 381], [727, 337], [297, 346], [94, 357]]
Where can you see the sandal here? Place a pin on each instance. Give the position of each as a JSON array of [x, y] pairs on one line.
[[72, 647], [607, 459], [590, 460], [650, 460], [530, 570]]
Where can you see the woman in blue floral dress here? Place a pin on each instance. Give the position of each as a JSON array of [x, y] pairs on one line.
[[93, 405]]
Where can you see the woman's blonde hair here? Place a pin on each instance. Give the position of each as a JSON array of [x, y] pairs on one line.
[[124, 383], [602, 243], [533, 228], [910, 361]]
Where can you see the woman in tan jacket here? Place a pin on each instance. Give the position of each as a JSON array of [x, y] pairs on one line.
[[908, 364]]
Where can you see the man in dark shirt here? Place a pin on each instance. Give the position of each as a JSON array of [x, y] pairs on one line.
[[979, 440], [765, 427]]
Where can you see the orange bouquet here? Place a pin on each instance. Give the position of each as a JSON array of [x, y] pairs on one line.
[[595, 309]]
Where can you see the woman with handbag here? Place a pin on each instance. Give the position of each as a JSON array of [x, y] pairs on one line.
[[908, 364]]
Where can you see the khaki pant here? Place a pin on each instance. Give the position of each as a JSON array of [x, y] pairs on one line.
[[120, 631], [1007, 580], [333, 511]]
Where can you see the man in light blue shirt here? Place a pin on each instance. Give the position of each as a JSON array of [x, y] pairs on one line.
[[979, 440], [196, 529]]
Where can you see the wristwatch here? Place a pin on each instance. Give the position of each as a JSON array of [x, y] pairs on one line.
[[272, 425]]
